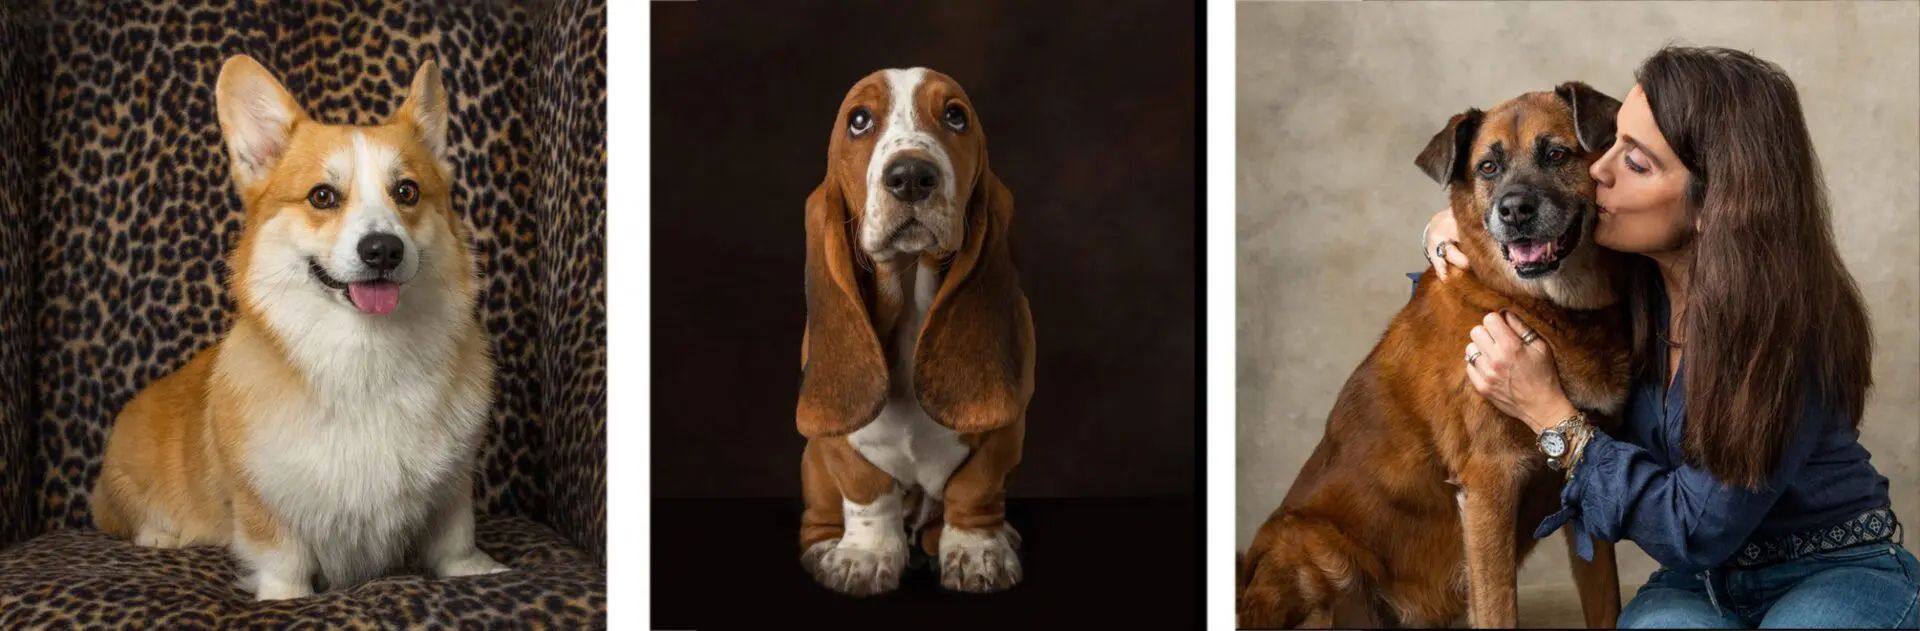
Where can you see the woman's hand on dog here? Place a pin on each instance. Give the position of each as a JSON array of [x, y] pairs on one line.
[[1443, 229], [1519, 379]]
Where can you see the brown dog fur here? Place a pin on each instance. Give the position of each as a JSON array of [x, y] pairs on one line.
[[1371, 533], [974, 355]]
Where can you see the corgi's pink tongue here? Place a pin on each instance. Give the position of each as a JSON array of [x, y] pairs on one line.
[[1530, 252], [375, 298]]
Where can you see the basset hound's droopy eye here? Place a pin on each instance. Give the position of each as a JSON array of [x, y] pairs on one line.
[[955, 118], [859, 121]]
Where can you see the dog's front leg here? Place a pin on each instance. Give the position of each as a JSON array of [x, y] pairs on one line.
[[278, 565], [448, 550], [870, 550], [1489, 500], [1598, 582], [978, 549]]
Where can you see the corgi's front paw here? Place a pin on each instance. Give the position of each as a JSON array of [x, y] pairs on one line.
[[155, 538], [473, 564], [269, 588]]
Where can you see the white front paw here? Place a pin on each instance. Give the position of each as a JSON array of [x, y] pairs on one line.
[[471, 564], [978, 561], [269, 588], [855, 569]]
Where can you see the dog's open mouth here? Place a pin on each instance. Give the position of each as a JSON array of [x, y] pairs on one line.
[[374, 297], [1533, 258]]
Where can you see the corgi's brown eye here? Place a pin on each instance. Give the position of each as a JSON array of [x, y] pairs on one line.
[[406, 192], [323, 197]]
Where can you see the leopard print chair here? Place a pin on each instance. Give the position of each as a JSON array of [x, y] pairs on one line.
[[115, 211]]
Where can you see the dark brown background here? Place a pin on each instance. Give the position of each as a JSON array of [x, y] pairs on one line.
[[1089, 108]]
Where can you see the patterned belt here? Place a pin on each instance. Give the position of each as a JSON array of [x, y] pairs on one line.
[[1874, 526]]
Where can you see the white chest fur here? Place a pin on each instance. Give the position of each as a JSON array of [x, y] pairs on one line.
[[903, 441], [387, 423]]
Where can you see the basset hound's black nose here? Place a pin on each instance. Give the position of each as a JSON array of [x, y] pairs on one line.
[[911, 179]]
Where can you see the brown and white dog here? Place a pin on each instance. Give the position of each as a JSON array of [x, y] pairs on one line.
[[1410, 510], [333, 429], [918, 352]]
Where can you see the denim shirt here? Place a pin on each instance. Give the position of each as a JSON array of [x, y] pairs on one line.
[[1636, 485]]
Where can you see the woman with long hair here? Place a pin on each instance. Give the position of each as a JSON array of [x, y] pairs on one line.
[[1738, 466]]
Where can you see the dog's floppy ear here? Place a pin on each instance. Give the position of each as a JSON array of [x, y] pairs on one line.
[[1445, 158], [973, 361], [1593, 114], [257, 116], [843, 382]]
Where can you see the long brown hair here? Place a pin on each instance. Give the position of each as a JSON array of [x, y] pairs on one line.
[[1772, 316]]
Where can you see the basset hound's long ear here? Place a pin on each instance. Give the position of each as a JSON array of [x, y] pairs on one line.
[[973, 363], [843, 382]]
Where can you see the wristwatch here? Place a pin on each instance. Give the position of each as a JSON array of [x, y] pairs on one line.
[[1556, 441]]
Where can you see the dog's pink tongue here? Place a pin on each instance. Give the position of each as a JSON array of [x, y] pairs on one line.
[[374, 298], [1530, 252]]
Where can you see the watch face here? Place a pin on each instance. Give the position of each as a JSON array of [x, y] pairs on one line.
[[1553, 443]]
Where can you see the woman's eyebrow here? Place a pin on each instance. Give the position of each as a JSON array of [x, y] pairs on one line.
[[1629, 139]]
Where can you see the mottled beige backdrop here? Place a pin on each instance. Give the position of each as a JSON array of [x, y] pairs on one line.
[[1335, 99]]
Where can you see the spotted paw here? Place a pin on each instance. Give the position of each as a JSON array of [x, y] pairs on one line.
[[857, 570], [979, 561]]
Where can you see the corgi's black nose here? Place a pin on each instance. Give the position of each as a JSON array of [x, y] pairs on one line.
[[381, 251]]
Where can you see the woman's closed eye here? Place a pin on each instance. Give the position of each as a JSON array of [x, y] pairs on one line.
[[1631, 165]]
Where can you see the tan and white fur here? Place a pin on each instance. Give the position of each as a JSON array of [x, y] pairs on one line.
[[334, 429], [912, 433]]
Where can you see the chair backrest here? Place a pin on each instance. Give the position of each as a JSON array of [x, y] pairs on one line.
[[115, 257]]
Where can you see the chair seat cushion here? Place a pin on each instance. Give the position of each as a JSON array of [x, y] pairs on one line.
[[86, 579]]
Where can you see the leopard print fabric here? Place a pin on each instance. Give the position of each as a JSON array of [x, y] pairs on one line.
[[20, 112], [571, 70], [140, 208], [136, 211], [75, 579], [116, 209]]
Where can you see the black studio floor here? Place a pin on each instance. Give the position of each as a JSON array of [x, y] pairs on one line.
[[1089, 563]]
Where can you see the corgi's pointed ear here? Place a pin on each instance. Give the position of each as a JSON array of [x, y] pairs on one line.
[[257, 116], [426, 108]]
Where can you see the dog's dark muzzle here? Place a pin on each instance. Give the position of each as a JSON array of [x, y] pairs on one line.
[[1536, 230]]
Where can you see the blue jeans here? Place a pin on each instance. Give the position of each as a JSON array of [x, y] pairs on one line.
[[1872, 586]]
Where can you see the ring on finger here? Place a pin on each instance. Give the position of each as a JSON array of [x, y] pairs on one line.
[[1440, 251], [1530, 336], [1474, 356]]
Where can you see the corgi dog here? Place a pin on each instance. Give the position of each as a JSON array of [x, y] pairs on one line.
[[333, 431]]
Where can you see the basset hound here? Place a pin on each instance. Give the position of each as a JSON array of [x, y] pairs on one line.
[[918, 353]]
